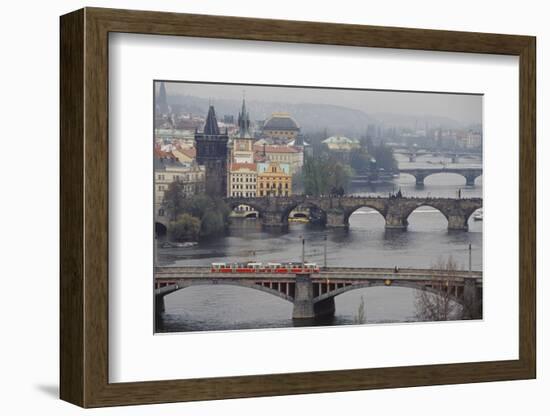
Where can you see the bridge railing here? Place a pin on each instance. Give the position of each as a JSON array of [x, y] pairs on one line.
[[171, 272], [346, 196]]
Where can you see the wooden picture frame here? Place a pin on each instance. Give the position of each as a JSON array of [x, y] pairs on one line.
[[84, 207]]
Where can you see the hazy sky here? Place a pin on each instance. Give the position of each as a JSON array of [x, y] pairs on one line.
[[460, 107]]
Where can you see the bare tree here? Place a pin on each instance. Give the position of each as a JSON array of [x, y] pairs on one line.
[[361, 317], [440, 306]]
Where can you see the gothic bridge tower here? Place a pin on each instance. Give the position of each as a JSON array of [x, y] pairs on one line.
[[211, 148]]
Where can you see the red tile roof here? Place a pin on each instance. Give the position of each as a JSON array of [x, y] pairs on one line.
[[161, 153], [190, 152], [237, 166]]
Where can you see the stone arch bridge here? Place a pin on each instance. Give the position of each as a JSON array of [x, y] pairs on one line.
[[274, 211], [455, 156], [470, 174], [313, 295]]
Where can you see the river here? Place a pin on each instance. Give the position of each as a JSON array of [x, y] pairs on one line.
[[365, 244]]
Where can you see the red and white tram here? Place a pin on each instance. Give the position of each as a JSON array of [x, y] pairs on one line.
[[257, 267]]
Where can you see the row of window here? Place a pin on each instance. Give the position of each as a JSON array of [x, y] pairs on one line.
[[243, 186], [186, 188], [274, 184], [245, 179], [184, 178]]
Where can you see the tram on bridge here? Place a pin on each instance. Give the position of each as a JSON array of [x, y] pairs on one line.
[[257, 267]]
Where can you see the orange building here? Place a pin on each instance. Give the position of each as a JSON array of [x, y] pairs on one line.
[[274, 179]]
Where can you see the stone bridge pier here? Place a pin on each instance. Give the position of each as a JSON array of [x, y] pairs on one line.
[[271, 218], [396, 219], [303, 298], [159, 304], [337, 218], [472, 307], [420, 174], [458, 222], [304, 306], [471, 179], [419, 179]]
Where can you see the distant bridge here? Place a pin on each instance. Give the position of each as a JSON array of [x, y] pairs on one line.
[[313, 295], [274, 211], [422, 173], [455, 156]]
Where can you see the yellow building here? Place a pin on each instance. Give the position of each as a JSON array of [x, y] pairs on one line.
[[274, 179]]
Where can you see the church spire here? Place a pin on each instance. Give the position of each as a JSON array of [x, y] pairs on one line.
[[244, 122], [163, 107], [211, 126]]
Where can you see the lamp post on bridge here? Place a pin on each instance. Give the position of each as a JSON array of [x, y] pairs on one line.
[[325, 254], [303, 250], [470, 259]]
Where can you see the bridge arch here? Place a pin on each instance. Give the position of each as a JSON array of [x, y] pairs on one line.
[[352, 210], [412, 175], [212, 282], [471, 211], [469, 177], [426, 204], [409, 285], [160, 229], [246, 211], [285, 214], [235, 203]]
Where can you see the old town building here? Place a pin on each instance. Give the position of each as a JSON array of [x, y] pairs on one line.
[[169, 169], [282, 154], [274, 179], [242, 180]]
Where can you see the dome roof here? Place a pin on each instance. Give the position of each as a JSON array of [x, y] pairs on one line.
[[281, 121]]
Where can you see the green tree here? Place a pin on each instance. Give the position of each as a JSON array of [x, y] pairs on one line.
[[325, 175], [197, 205], [212, 223], [186, 228], [360, 160], [384, 158], [338, 176], [174, 200], [312, 177], [212, 213]]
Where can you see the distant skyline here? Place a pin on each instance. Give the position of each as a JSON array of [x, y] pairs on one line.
[[464, 108]]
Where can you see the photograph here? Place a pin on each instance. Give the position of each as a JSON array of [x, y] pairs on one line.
[[291, 206]]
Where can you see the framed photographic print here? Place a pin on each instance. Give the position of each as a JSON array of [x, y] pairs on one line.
[[255, 207]]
